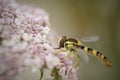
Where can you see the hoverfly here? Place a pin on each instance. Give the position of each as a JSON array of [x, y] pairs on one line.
[[75, 46]]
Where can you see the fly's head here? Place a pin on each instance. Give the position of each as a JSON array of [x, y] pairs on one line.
[[62, 41]]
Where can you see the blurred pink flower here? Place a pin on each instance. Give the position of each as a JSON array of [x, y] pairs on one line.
[[24, 43]]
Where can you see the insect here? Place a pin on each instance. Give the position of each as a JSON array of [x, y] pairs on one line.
[[74, 46]]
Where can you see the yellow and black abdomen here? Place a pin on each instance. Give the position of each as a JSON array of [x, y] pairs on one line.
[[96, 53]]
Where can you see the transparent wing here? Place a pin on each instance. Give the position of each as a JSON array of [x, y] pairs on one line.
[[93, 38], [83, 55]]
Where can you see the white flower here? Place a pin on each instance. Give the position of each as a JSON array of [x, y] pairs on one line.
[[19, 47], [38, 38], [46, 30], [27, 37], [11, 42], [17, 22], [37, 19], [62, 71], [8, 43], [33, 62], [52, 61]]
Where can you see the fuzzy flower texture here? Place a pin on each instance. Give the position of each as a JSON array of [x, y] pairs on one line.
[[24, 43]]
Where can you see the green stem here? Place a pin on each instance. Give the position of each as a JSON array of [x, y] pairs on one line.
[[41, 74], [55, 74]]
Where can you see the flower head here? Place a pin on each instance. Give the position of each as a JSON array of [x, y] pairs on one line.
[[24, 43]]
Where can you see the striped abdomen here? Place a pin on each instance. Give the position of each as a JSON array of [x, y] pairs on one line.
[[105, 60]]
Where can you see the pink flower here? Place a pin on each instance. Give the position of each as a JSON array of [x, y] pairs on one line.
[[25, 43], [52, 61]]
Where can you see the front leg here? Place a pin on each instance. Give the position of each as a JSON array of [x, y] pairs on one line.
[[69, 54]]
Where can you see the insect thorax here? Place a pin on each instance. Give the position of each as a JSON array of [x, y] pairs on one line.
[[72, 44], [69, 43]]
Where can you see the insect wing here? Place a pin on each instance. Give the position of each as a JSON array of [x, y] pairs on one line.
[[83, 55], [90, 38]]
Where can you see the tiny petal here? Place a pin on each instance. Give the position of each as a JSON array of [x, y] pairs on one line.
[[52, 61]]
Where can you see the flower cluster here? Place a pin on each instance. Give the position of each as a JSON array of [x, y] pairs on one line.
[[24, 42]]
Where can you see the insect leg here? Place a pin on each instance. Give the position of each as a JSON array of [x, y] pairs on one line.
[[63, 50], [77, 59], [69, 54]]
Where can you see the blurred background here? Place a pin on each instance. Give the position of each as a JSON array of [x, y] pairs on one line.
[[79, 18]]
